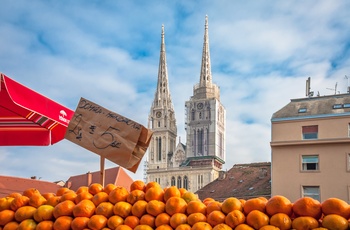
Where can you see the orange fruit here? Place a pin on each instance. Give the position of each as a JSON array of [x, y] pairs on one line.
[[11, 226], [170, 192], [164, 227], [45, 225], [30, 191], [114, 221], [48, 195], [279, 204], [183, 227], [139, 208], [257, 219], [132, 221], [307, 206], [5, 202], [269, 227], [97, 222], [304, 222], [281, 220], [105, 208], [19, 202], [175, 205], [14, 194], [151, 184], [207, 200], [216, 217], [64, 208], [162, 218], [82, 189], [6, 216], [137, 185], [28, 224], [61, 191], [155, 207], [53, 201], [196, 217], [123, 227], [99, 198], [234, 218], [177, 219], [182, 190], [44, 212], [79, 223], [63, 223], [148, 219], [154, 193], [189, 196], [85, 208], [36, 200], [143, 227], [201, 226], [135, 195], [84, 195], [122, 209], [336, 206], [222, 227], [231, 204], [95, 188], [195, 206], [24, 212], [69, 195], [335, 222], [254, 204], [118, 194], [213, 206], [109, 187]]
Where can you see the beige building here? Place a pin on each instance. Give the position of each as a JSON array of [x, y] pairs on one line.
[[310, 143], [198, 162]]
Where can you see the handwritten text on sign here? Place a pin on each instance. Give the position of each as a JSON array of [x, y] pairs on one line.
[[108, 134]]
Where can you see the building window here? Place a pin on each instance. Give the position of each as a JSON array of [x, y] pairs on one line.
[[309, 162], [310, 132], [173, 181], [349, 130], [179, 185], [302, 110], [348, 162], [312, 191], [185, 182]]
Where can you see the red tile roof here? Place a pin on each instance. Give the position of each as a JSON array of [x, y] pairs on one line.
[[9, 184], [116, 175], [242, 181]]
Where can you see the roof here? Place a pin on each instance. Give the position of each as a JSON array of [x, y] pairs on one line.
[[312, 107], [116, 175], [242, 181], [9, 184]]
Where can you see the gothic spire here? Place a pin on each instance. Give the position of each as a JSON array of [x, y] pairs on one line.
[[205, 77]]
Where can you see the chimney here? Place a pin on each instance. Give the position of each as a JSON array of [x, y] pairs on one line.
[[89, 178]]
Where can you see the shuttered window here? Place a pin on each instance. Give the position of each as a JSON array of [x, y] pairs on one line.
[[310, 132]]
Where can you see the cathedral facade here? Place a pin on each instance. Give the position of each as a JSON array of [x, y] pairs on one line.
[[197, 162]]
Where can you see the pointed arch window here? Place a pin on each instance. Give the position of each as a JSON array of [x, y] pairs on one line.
[[200, 141], [179, 184], [185, 182], [159, 148], [173, 183], [192, 115]]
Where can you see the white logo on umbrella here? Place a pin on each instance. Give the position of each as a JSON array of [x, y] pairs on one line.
[[62, 115]]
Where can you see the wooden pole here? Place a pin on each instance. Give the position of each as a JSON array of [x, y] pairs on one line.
[[102, 171]]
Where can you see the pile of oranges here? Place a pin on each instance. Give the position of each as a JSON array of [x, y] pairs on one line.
[[148, 206]]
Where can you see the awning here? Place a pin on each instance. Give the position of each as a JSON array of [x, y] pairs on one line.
[[28, 118]]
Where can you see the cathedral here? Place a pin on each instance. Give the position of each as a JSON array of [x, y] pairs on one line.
[[199, 161]]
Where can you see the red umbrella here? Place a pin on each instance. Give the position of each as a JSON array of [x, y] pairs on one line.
[[29, 118]]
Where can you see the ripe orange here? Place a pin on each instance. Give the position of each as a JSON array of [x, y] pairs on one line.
[[28, 224], [5, 202], [307, 206], [231, 204], [97, 222], [95, 188], [195, 206], [36, 200], [135, 195], [304, 222], [254, 204], [61, 191], [139, 208], [83, 195], [80, 223], [14, 194], [334, 221], [155, 207], [45, 225], [63, 223], [216, 217], [257, 219], [269, 227], [105, 208], [170, 192], [118, 194], [132, 221], [183, 227], [53, 201], [161, 219], [123, 227], [64, 208], [177, 219], [148, 219], [234, 218], [114, 221], [48, 195], [99, 198], [85, 208], [151, 184], [164, 227], [30, 191], [175, 205], [196, 217], [154, 193], [336, 206], [24, 212], [207, 200], [222, 227], [82, 189], [213, 206], [281, 220], [18, 202], [109, 187], [182, 191], [122, 209], [69, 195], [6, 216], [11, 226], [279, 204], [201, 226], [143, 227], [137, 185], [189, 196], [44, 212]]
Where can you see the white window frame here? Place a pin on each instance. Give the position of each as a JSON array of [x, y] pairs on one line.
[[313, 194], [304, 163]]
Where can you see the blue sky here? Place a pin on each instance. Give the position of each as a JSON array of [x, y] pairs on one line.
[[262, 52]]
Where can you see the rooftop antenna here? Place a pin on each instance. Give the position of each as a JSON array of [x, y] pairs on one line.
[[348, 87], [335, 88], [308, 87]]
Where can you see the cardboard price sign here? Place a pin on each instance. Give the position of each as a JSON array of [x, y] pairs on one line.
[[108, 134]]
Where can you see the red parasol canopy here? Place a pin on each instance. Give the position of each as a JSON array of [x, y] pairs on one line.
[[28, 118]]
